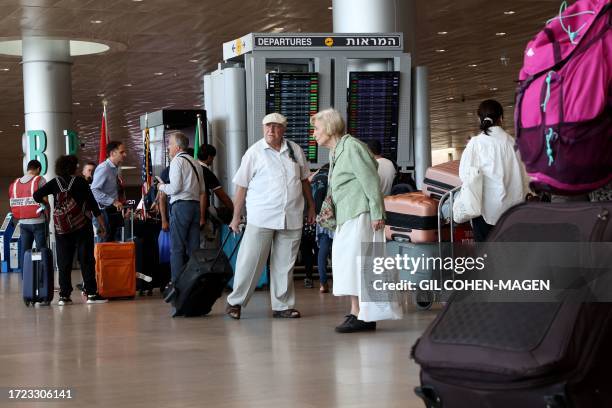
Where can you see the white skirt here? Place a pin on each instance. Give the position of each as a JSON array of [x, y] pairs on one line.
[[347, 252]]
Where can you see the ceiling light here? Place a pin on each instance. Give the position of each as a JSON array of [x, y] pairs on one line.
[[76, 103], [5, 69], [128, 85], [509, 12], [124, 126], [100, 95], [278, 29], [15, 125], [158, 73], [95, 21], [193, 60], [442, 32], [500, 34], [493, 89], [136, 1], [450, 98], [197, 105], [1, 131], [440, 50], [330, 8], [473, 65]]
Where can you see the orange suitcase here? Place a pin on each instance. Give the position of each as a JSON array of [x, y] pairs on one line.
[[411, 217], [116, 269], [440, 179]]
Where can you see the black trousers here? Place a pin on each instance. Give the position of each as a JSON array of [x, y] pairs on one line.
[[81, 241]]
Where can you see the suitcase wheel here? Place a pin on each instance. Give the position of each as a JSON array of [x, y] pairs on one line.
[[429, 396], [424, 300]]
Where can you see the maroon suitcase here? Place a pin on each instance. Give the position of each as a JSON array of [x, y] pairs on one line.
[[440, 179], [508, 355]]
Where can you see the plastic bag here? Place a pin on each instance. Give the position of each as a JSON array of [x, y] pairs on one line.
[[163, 242]]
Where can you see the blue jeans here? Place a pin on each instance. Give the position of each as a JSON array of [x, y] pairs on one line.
[[325, 244], [184, 234], [31, 233]]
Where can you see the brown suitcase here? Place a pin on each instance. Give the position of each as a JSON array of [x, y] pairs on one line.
[[440, 179], [116, 269], [411, 217]]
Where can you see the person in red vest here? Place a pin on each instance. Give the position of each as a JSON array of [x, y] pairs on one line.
[[30, 214]]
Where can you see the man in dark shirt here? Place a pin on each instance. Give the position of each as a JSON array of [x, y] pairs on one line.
[[206, 156]]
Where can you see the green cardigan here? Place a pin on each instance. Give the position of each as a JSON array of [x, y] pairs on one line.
[[354, 181]]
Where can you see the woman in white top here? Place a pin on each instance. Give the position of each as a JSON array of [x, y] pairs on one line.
[[505, 182]]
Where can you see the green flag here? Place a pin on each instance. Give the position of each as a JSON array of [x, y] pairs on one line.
[[198, 133]]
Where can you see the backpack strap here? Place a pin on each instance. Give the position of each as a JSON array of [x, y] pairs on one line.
[[34, 183]]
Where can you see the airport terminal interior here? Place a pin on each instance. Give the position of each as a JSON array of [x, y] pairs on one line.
[[408, 76]]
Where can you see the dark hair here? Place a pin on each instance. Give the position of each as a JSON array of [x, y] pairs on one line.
[[34, 165], [206, 151], [112, 145], [65, 166], [375, 147], [189, 151], [90, 163], [490, 113]]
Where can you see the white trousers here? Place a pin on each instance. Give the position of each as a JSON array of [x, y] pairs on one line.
[[257, 243]]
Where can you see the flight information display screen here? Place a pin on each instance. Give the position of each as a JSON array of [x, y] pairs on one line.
[[373, 109], [295, 95]]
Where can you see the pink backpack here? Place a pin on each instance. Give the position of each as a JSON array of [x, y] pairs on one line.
[[563, 111]]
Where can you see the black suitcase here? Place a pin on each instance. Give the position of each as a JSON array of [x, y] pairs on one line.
[[201, 282], [147, 256], [554, 354], [38, 276]]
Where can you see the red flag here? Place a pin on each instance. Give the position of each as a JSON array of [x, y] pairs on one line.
[[103, 138]]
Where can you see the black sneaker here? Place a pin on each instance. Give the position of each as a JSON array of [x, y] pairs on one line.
[[91, 299], [308, 283], [352, 325], [64, 301]]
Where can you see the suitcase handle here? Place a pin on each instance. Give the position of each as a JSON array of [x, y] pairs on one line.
[[223, 246]]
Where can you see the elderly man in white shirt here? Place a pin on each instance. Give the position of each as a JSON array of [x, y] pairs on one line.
[[273, 182], [186, 189]]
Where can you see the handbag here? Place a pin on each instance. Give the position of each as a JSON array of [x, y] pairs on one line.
[[327, 216], [468, 204]]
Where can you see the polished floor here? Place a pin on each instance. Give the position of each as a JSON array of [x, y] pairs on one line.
[[132, 354]]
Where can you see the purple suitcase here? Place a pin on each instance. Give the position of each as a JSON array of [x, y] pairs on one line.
[[508, 355]]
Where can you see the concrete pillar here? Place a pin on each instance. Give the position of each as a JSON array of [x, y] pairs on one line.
[[47, 96], [422, 131], [365, 16]]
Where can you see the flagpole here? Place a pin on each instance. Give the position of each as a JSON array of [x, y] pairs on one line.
[[104, 103], [198, 135]]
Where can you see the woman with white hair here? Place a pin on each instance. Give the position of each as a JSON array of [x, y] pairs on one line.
[[358, 206]]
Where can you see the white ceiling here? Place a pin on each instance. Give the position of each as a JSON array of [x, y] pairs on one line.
[[182, 39]]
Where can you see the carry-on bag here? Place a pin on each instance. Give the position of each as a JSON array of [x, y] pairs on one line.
[[524, 354], [201, 282], [116, 267], [441, 179], [411, 217], [38, 276]]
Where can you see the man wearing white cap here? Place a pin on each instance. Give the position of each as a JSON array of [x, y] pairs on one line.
[[273, 182]]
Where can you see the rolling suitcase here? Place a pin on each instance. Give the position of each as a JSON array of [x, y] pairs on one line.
[[440, 179], [38, 276], [116, 269], [201, 282], [234, 241], [411, 217], [524, 354]]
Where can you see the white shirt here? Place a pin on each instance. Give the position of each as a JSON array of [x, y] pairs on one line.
[[273, 181], [386, 172], [185, 184], [505, 182]]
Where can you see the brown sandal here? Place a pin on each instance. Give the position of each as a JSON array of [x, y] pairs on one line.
[[286, 314], [233, 311]]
